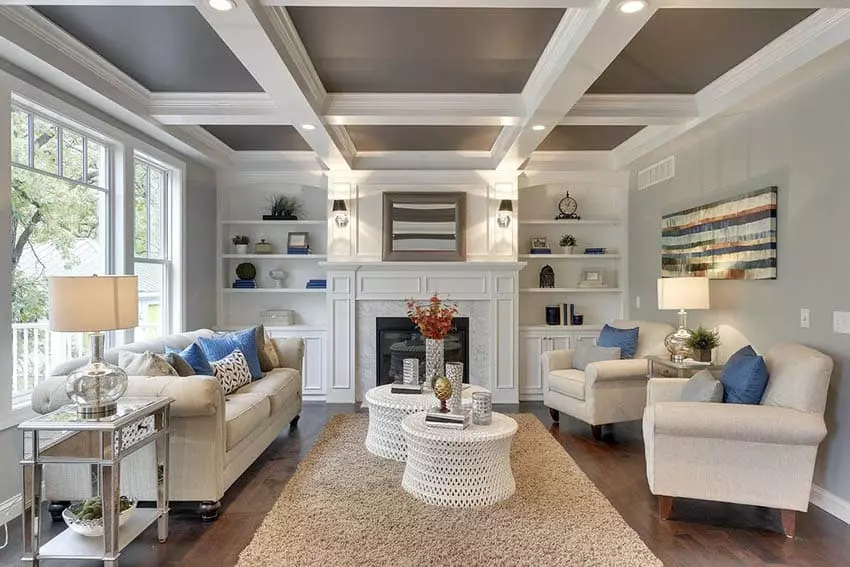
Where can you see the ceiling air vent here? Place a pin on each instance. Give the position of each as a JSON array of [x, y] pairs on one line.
[[656, 173]]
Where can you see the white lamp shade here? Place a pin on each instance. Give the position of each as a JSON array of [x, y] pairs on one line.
[[87, 304], [683, 293]]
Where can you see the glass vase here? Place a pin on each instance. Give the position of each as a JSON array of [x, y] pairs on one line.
[[454, 372], [434, 361]]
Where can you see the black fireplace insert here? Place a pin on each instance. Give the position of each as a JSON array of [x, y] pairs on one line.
[[398, 338]]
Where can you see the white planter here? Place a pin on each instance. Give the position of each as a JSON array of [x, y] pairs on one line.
[[241, 248], [567, 249]]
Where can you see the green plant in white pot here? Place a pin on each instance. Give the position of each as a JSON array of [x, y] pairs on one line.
[[568, 243], [702, 342], [240, 241]]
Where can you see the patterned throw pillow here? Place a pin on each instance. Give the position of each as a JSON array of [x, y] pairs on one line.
[[232, 371], [271, 353], [219, 347], [144, 364]]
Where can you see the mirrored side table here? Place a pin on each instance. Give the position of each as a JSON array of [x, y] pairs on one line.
[[64, 437], [664, 367]]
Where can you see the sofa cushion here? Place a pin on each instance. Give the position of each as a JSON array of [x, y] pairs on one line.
[[266, 363], [243, 413], [280, 385], [218, 347], [744, 377], [568, 382], [179, 364], [703, 387], [270, 353], [195, 357], [232, 371], [585, 353], [626, 339], [145, 364]]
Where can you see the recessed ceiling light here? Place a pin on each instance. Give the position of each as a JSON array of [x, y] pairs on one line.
[[633, 6], [307, 127], [538, 127], [222, 5]]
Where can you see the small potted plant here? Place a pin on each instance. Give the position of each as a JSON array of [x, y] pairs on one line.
[[568, 242], [241, 242], [702, 342], [283, 207]]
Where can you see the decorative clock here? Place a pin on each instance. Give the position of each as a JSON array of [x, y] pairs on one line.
[[567, 208]]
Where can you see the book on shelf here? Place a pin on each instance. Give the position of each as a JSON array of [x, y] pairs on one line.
[[568, 311], [540, 251], [595, 251], [317, 284], [244, 284], [298, 250]]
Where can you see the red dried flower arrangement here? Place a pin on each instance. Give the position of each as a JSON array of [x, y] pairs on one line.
[[434, 319]]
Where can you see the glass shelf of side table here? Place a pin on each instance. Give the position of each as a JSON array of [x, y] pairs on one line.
[[62, 436], [664, 367]]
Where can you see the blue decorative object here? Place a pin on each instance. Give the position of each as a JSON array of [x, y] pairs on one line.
[[195, 357], [626, 339], [217, 348], [744, 378]]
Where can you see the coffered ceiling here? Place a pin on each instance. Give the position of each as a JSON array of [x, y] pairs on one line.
[[437, 83]]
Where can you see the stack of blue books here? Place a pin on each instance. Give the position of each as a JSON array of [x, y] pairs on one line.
[[244, 284], [317, 284], [297, 250], [595, 251]]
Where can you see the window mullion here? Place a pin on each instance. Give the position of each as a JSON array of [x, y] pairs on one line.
[[30, 140], [60, 135]]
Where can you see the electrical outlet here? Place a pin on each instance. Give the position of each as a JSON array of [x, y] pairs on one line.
[[841, 322], [637, 302], [805, 319]]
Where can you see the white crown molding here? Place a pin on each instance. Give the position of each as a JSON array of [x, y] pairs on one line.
[[814, 4], [56, 37], [830, 503], [570, 161], [456, 178], [638, 110], [276, 161], [423, 160], [200, 138], [449, 109], [215, 108], [434, 3], [293, 47]]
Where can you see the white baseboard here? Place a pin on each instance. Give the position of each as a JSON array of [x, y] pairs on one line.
[[10, 509], [830, 503]]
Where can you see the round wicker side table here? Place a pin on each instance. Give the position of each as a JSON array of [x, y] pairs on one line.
[[386, 410], [462, 468]]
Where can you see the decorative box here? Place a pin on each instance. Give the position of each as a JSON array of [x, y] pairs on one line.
[[262, 247]]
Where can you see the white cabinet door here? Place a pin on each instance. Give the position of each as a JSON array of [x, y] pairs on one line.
[[313, 373], [530, 369], [560, 343]]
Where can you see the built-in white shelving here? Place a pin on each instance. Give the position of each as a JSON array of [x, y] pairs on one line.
[[274, 290], [278, 222], [275, 256], [549, 328], [570, 290], [570, 256], [570, 222]]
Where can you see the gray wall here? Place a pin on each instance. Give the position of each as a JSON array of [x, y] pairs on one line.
[[800, 142]]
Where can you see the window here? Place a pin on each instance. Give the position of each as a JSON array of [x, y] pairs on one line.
[[60, 197], [152, 262]]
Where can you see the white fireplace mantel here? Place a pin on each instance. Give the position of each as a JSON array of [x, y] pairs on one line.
[[359, 291]]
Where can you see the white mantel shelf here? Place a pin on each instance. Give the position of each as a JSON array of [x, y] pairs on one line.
[[395, 266]]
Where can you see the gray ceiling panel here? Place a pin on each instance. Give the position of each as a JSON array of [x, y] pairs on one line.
[[423, 138], [165, 48], [682, 50], [587, 138], [464, 50], [260, 138]]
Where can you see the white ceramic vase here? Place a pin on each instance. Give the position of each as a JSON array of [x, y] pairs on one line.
[[241, 248]]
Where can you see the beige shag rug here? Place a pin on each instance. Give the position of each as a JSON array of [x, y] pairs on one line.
[[345, 506]]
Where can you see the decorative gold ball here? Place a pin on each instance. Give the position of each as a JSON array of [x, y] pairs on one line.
[[442, 388]]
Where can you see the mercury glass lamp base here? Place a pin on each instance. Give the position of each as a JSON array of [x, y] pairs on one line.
[[677, 341], [95, 412]]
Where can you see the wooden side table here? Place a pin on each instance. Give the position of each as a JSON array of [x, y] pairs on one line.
[[102, 443], [663, 367]]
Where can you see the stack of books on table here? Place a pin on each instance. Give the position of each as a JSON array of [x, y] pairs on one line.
[[434, 418], [399, 388], [244, 284], [317, 284]]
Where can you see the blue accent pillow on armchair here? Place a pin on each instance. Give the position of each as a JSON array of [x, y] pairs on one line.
[[744, 378], [625, 339], [219, 347], [195, 357]]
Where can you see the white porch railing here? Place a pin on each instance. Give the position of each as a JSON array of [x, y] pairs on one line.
[[37, 350]]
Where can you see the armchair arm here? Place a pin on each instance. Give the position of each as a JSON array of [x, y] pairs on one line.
[[616, 370], [737, 422], [664, 390], [557, 360]]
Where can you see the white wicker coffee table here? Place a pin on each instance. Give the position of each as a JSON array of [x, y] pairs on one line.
[[386, 410], [462, 468]]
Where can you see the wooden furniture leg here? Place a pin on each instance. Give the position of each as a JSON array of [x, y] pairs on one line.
[[789, 522], [555, 415], [596, 431], [665, 506]]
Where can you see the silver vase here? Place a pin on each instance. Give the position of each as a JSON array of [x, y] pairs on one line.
[[434, 361], [454, 372]]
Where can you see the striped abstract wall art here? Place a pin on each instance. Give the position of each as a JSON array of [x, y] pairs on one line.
[[733, 239]]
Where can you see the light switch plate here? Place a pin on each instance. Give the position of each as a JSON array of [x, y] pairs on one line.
[[841, 322], [805, 318], [637, 302]]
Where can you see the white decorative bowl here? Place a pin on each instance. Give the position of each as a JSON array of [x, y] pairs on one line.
[[94, 528]]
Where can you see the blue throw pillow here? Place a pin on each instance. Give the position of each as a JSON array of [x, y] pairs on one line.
[[625, 339], [744, 378], [195, 357], [217, 348]]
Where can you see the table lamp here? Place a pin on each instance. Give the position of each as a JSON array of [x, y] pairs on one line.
[[93, 304], [682, 293]]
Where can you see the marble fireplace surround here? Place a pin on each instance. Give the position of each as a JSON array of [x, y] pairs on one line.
[[485, 292]]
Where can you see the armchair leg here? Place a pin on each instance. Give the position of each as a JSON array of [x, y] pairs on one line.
[[209, 510], [665, 507], [294, 422], [555, 415], [789, 522], [596, 431]]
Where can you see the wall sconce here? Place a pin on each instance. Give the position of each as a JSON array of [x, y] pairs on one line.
[[506, 211], [340, 213]]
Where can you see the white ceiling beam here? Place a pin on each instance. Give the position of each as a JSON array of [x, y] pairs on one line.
[[585, 42], [423, 160], [424, 109], [774, 67], [266, 43], [433, 3], [813, 4], [570, 161], [216, 108], [631, 110], [97, 2]]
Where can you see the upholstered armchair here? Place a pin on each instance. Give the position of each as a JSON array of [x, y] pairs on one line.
[[606, 392], [761, 455]]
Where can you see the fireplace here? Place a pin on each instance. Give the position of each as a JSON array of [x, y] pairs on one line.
[[398, 338]]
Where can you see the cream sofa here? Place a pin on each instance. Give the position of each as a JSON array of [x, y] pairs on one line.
[[214, 437], [605, 392], [762, 455]]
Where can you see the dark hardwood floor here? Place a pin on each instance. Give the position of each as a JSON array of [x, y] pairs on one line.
[[699, 533]]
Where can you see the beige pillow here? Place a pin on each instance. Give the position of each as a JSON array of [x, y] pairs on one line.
[[145, 364], [271, 352]]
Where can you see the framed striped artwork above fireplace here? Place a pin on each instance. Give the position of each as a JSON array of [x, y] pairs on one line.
[[730, 239]]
